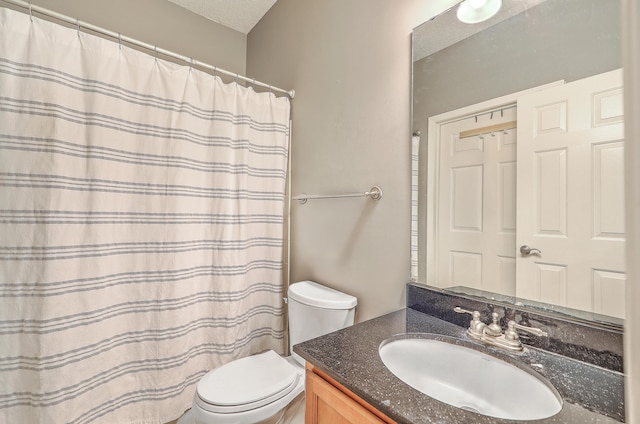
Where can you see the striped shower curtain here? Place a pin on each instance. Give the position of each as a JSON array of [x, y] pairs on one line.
[[141, 227]]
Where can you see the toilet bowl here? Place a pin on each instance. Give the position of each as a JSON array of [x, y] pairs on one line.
[[258, 388], [248, 390]]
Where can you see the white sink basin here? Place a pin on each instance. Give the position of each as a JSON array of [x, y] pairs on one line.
[[443, 369]]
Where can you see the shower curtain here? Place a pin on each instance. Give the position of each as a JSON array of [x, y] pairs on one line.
[[141, 227]]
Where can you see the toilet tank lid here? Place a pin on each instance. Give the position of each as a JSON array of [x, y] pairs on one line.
[[314, 294]]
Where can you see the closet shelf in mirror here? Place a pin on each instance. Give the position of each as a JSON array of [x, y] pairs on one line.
[[489, 129]]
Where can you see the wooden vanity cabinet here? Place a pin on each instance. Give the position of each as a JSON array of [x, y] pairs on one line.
[[329, 402]]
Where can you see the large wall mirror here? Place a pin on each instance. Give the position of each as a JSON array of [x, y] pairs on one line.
[[520, 188]]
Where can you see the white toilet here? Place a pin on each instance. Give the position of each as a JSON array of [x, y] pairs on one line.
[[258, 388]]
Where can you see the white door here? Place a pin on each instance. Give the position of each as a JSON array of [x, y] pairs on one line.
[[571, 195], [476, 204]]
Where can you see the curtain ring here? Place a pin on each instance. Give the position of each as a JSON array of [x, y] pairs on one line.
[[270, 89], [78, 27], [30, 11], [235, 79], [155, 49], [120, 41]]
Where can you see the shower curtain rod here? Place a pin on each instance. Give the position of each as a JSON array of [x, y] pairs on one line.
[[189, 60]]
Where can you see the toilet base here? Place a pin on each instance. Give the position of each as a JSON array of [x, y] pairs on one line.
[[291, 414]]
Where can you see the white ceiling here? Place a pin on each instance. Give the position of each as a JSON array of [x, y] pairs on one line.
[[434, 35], [241, 15]]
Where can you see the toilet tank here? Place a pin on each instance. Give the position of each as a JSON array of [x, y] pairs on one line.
[[316, 310]]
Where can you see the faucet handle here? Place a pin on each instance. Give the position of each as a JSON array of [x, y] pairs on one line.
[[476, 326], [511, 338], [511, 330], [466, 311]]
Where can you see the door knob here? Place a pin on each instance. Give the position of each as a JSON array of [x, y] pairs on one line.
[[526, 250]]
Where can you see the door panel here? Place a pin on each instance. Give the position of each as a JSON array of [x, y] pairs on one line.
[[476, 204], [570, 141], [608, 190], [550, 189], [466, 198]]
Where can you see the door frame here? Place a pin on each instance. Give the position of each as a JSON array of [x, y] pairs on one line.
[[435, 124], [630, 15]]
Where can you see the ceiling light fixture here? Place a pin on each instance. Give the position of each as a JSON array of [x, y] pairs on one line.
[[474, 11]]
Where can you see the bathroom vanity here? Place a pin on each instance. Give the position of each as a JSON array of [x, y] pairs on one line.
[[348, 382], [330, 402]]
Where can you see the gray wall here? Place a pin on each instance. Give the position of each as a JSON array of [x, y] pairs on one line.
[[559, 39], [163, 24], [349, 62]]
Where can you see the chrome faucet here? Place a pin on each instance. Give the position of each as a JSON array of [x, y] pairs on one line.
[[492, 333]]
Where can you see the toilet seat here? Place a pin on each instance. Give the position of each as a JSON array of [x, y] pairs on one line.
[[247, 383]]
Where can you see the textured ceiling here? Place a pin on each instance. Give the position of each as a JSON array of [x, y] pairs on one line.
[[445, 30], [241, 15], [440, 32]]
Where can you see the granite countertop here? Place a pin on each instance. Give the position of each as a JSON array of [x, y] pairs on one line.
[[591, 394]]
